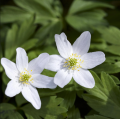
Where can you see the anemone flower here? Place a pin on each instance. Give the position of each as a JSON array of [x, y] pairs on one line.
[[74, 61], [26, 76]]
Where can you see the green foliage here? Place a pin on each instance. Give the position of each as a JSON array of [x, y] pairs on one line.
[[73, 114], [96, 117], [8, 111], [32, 24], [81, 19], [50, 105], [105, 96], [16, 36]]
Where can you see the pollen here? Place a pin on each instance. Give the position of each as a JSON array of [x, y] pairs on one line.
[[25, 77], [73, 62]]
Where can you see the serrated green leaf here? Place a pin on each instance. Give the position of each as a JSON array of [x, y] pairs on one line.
[[87, 20], [45, 11], [82, 5], [12, 14], [18, 37], [114, 49], [107, 67], [110, 34], [29, 116], [104, 98], [50, 92], [10, 41], [116, 80], [50, 105], [50, 29], [30, 44], [26, 30], [8, 111], [33, 7], [69, 98], [73, 113]]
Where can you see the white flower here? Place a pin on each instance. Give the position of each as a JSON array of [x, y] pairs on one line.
[[74, 61], [26, 76]]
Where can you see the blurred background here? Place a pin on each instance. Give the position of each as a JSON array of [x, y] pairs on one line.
[[32, 24]]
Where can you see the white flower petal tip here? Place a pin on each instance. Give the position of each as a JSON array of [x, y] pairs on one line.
[[13, 88], [84, 78], [63, 45], [21, 59], [82, 43], [31, 95], [92, 59], [10, 68]]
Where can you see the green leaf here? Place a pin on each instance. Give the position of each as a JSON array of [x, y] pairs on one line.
[[54, 117], [29, 116], [87, 20], [11, 41], [45, 11], [73, 113], [69, 95], [50, 92], [110, 34], [8, 111], [114, 49], [5, 79], [50, 105], [20, 99], [96, 117], [50, 29], [30, 44], [33, 7], [82, 5], [112, 59], [12, 14], [117, 64], [17, 37], [116, 80], [105, 96], [26, 30], [107, 67]]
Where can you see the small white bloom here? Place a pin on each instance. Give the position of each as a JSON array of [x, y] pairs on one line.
[[74, 61], [26, 76]]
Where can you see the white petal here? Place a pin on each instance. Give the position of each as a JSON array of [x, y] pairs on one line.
[[13, 88], [10, 68], [55, 63], [38, 64], [31, 95], [84, 78], [63, 45], [21, 59], [41, 81], [93, 59], [62, 78], [82, 43]]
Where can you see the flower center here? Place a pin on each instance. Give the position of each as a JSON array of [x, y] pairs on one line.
[[25, 77], [73, 62]]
